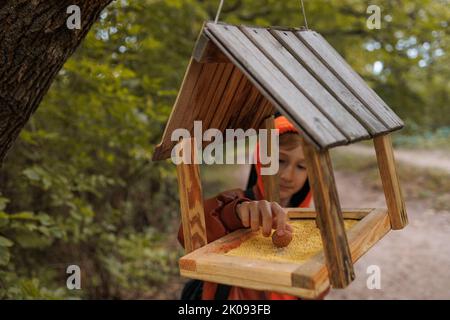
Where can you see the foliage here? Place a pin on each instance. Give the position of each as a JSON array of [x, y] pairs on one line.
[[79, 186]]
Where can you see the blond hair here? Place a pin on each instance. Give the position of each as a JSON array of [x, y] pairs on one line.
[[290, 140]]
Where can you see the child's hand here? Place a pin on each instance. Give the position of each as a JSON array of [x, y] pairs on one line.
[[263, 213]]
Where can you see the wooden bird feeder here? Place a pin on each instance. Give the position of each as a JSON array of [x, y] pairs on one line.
[[237, 77]]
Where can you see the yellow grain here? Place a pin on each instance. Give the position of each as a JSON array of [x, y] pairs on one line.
[[306, 242]]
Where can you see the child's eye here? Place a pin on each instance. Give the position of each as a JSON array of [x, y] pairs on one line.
[[301, 167]]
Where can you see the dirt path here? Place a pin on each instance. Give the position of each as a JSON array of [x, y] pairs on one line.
[[419, 158], [414, 262]]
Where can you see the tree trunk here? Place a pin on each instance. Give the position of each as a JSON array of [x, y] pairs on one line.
[[35, 42]]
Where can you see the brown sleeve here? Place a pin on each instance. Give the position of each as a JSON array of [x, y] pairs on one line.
[[220, 215]]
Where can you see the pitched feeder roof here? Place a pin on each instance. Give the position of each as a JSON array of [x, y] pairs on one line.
[[296, 71]]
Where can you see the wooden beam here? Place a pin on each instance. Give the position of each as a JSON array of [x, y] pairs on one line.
[[205, 51], [271, 183], [247, 283], [391, 184], [330, 218], [191, 199]]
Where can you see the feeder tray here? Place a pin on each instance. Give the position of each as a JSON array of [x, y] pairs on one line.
[[238, 76], [276, 269]]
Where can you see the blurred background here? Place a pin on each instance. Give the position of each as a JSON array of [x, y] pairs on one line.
[[79, 187]]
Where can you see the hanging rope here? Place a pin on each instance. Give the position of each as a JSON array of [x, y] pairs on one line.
[[304, 14], [219, 11]]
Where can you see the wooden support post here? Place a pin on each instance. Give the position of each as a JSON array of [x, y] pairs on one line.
[[271, 183], [191, 199], [391, 185], [330, 218]]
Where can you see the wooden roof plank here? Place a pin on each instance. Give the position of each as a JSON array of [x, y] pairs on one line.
[[248, 107], [215, 89], [265, 110], [350, 78], [237, 99], [307, 84], [253, 111], [198, 99], [219, 94], [207, 52], [273, 80], [226, 101], [190, 81], [327, 78]]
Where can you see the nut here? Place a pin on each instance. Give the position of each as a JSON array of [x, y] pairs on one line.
[[282, 241]]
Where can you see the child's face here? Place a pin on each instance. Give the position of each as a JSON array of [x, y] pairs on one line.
[[292, 172]]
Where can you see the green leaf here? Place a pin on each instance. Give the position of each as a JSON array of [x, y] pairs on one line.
[[4, 256], [26, 215], [30, 239], [31, 288], [4, 216], [3, 203], [31, 174], [5, 242]]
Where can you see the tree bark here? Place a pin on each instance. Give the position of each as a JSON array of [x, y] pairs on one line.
[[35, 42]]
